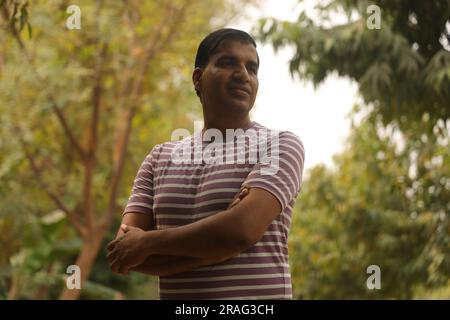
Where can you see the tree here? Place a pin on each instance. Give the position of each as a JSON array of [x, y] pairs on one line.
[[16, 14], [403, 68], [387, 201], [82, 93], [385, 204]]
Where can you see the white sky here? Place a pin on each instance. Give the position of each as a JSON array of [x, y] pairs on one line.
[[318, 117]]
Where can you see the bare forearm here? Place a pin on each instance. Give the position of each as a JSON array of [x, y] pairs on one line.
[[161, 265], [216, 237]]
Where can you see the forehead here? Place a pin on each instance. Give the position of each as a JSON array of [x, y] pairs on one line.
[[235, 48]]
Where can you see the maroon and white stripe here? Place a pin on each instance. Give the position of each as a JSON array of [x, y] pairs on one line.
[[177, 194]]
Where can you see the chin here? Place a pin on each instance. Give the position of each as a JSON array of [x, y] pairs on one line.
[[240, 107], [240, 104]]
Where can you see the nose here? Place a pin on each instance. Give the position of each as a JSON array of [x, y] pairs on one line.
[[241, 74]]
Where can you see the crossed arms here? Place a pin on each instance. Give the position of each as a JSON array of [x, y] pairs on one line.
[[204, 242]]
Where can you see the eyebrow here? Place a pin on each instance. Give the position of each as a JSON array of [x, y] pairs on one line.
[[253, 63]]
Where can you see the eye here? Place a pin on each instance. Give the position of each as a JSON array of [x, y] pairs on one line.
[[253, 69], [225, 62]]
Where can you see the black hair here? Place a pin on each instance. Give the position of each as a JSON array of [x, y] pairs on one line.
[[211, 42]]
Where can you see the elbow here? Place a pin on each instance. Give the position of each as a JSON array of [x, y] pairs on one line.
[[247, 240], [242, 241], [231, 244], [248, 236], [230, 240]]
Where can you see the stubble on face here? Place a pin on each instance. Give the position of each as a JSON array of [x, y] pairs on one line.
[[230, 80]]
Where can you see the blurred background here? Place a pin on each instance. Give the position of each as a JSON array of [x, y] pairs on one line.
[[365, 85]]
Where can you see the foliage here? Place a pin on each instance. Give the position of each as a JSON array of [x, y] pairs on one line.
[[79, 111], [16, 13], [403, 68], [387, 204]]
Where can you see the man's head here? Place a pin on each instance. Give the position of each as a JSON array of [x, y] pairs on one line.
[[226, 72]]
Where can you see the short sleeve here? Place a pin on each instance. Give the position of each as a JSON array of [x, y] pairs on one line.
[[141, 198], [282, 171]]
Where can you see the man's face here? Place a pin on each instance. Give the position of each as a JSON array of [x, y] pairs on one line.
[[229, 82]]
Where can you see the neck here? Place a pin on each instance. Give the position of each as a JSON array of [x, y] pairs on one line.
[[223, 123]]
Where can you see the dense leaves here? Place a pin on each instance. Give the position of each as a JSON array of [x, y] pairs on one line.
[[403, 68], [79, 111], [386, 201]]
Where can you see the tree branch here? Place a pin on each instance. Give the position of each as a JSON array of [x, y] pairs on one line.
[[54, 105], [12, 28], [62, 120], [71, 216], [122, 145], [90, 160]]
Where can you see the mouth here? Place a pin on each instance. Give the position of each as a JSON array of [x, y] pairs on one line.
[[241, 91]]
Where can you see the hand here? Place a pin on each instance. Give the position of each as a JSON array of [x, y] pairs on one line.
[[127, 251], [239, 196]]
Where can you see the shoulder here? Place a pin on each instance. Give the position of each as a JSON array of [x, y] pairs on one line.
[[169, 146], [286, 140], [165, 150], [291, 149]]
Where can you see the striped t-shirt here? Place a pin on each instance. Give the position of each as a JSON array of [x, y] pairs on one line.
[[177, 193]]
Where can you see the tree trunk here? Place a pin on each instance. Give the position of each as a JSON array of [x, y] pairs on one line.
[[85, 260]]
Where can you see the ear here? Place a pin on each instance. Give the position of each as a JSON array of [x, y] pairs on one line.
[[196, 78]]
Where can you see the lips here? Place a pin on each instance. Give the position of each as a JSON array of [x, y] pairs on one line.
[[240, 90]]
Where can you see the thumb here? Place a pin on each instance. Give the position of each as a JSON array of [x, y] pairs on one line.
[[125, 228]]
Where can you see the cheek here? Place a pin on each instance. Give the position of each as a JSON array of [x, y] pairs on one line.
[[255, 87], [213, 80], [212, 87]]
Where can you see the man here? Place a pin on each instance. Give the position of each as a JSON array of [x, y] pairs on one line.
[[216, 229]]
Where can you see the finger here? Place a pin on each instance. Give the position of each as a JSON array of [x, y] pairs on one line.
[[235, 202], [127, 228], [123, 270], [111, 256], [111, 245], [243, 189], [239, 196], [116, 266], [243, 193], [124, 227]]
